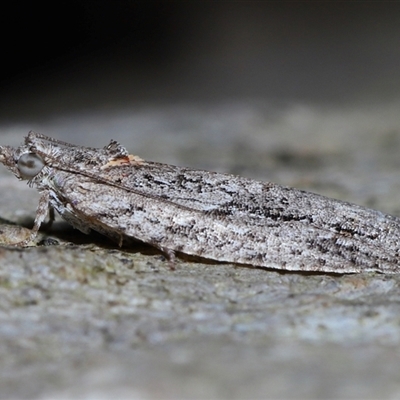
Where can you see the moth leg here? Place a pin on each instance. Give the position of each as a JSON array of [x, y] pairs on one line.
[[170, 254], [41, 214], [47, 225], [121, 240]]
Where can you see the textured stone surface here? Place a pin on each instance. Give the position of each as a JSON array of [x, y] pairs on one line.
[[83, 318]]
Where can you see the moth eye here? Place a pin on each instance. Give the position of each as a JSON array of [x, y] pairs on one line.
[[29, 165]]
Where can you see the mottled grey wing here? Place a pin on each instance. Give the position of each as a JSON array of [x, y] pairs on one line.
[[229, 218]]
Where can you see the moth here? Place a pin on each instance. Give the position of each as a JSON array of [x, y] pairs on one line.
[[212, 215]]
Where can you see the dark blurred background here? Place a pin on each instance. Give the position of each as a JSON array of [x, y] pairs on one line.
[[71, 56]]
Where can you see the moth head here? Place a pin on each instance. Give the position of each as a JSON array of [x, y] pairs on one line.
[[23, 163]]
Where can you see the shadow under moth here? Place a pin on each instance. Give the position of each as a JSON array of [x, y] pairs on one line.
[[212, 215]]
